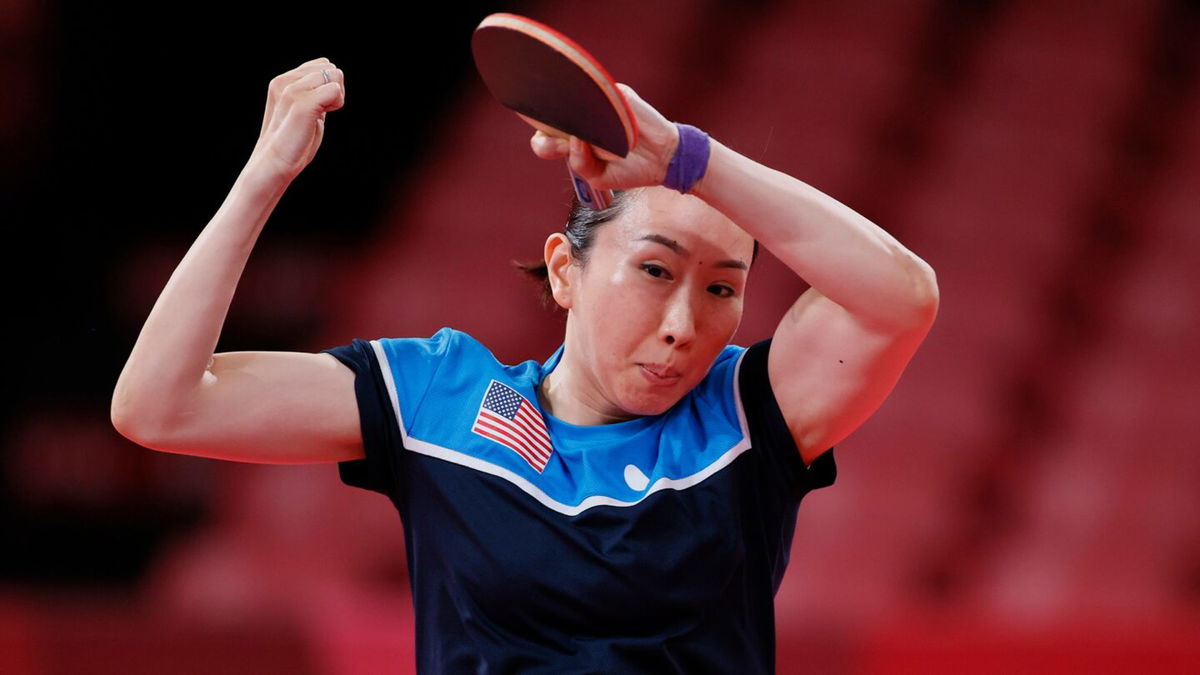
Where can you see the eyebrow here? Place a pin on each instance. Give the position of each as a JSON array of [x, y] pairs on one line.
[[680, 250]]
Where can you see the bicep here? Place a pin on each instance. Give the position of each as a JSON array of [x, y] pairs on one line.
[[269, 407], [830, 371]]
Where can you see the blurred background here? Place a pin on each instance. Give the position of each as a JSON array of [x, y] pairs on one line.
[[1027, 500]]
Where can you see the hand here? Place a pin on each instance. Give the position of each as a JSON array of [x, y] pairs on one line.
[[646, 164], [294, 121]]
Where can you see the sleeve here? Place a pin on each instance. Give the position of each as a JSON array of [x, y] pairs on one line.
[[380, 431], [392, 377], [769, 431]]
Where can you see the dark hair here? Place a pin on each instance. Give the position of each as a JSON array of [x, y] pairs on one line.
[[580, 230]]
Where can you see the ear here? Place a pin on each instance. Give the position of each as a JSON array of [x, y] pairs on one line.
[[559, 267]]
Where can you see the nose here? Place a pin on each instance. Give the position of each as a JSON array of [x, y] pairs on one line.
[[678, 325]]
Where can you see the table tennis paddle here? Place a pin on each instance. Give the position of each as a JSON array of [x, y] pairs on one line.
[[556, 86]]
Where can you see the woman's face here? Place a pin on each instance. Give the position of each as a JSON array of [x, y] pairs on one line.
[[659, 297]]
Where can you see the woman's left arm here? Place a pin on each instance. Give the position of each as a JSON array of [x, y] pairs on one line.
[[841, 347], [839, 350]]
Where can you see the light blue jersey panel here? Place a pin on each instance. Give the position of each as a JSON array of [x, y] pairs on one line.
[[450, 394]]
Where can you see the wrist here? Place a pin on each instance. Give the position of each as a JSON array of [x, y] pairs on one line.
[[666, 151], [260, 175], [716, 155], [689, 160]]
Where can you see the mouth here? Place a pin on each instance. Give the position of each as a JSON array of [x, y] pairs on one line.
[[659, 374]]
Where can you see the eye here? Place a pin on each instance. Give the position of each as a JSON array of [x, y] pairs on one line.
[[721, 290], [656, 271]]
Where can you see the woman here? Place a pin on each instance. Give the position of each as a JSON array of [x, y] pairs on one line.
[[626, 505]]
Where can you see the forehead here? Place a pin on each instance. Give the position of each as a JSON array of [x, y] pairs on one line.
[[686, 219]]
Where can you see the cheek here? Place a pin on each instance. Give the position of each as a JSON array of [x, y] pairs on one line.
[[617, 319], [722, 318], [625, 304]]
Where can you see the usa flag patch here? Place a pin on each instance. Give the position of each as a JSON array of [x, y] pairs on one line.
[[509, 419]]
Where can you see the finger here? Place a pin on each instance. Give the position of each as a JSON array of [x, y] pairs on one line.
[[307, 67], [548, 147], [311, 80], [335, 76], [315, 93], [582, 160], [329, 96], [303, 74], [636, 102]]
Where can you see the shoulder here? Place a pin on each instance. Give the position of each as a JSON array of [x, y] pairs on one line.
[[410, 357], [421, 358], [445, 342], [411, 369]]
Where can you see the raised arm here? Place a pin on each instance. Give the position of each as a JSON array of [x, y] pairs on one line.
[[174, 393], [842, 346], [840, 349]]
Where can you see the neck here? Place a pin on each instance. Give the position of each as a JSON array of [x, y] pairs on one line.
[[570, 394]]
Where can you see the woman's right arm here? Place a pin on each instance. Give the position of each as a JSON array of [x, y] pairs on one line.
[[174, 393]]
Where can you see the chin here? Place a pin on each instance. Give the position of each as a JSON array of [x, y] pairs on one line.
[[637, 398], [649, 411], [650, 405]]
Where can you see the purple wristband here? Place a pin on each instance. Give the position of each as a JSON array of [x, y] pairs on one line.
[[688, 165]]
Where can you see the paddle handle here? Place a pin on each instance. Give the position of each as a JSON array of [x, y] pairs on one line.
[[592, 199], [588, 196]]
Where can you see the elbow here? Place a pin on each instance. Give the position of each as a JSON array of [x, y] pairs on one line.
[[125, 419], [923, 297], [927, 290], [135, 420]]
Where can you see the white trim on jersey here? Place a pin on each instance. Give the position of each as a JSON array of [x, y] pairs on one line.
[[737, 398], [462, 459]]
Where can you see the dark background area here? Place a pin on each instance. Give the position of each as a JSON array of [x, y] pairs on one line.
[[133, 122]]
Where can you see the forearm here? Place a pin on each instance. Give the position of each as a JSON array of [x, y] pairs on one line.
[[846, 257], [173, 350]]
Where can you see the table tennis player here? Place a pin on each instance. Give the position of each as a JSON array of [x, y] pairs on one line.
[[626, 505]]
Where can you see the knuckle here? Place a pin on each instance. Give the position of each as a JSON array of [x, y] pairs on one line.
[[293, 88]]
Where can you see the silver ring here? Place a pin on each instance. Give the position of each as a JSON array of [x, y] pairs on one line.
[[325, 75]]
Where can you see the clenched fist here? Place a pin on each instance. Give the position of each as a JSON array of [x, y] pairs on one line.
[[294, 121]]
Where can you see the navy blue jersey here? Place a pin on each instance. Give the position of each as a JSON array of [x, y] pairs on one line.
[[535, 545]]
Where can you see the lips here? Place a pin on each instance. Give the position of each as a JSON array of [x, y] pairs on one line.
[[658, 373]]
